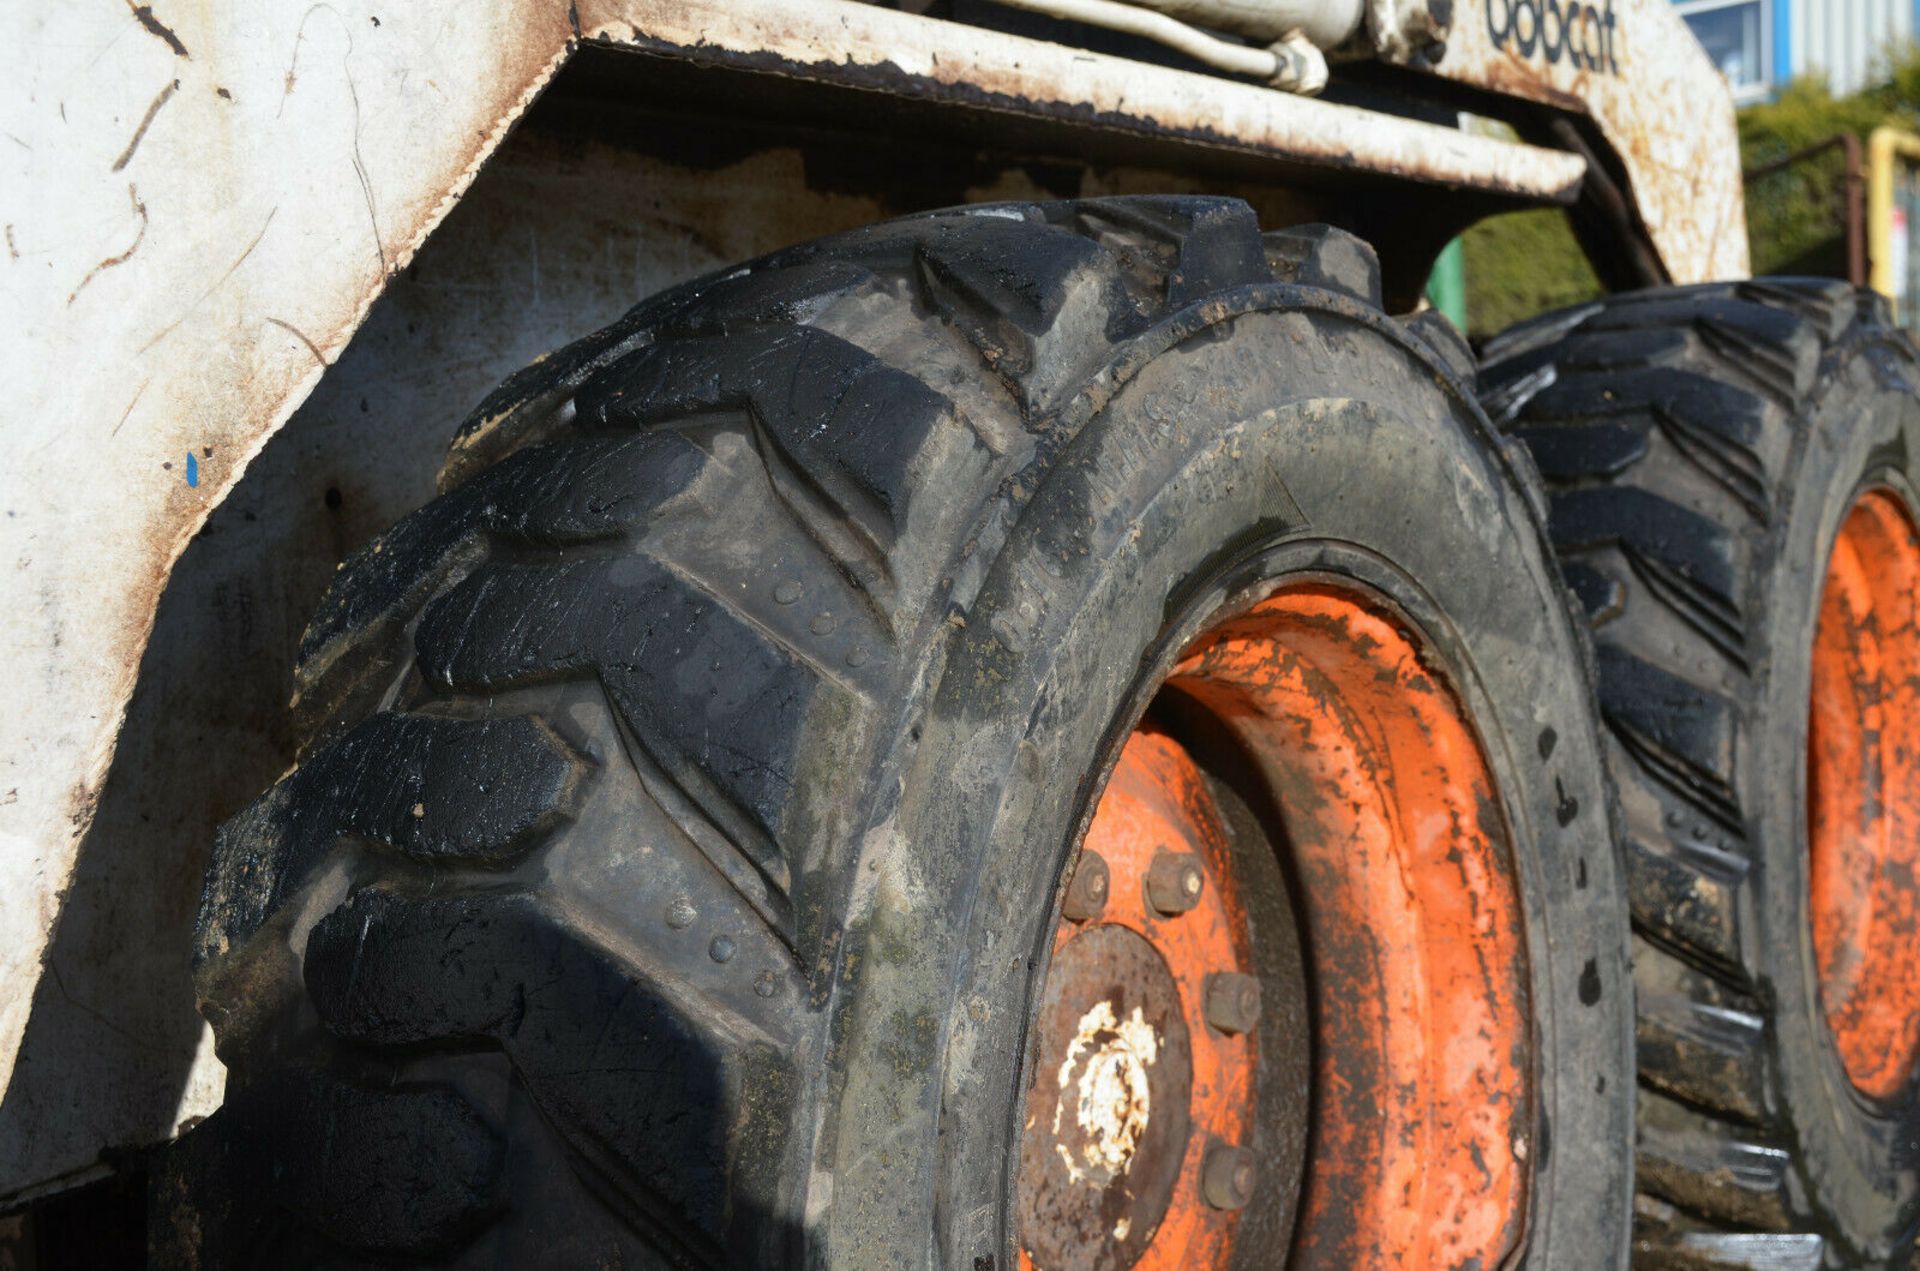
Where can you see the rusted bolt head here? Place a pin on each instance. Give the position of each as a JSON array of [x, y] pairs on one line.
[[1227, 1176], [1233, 1001], [1174, 882], [1087, 891]]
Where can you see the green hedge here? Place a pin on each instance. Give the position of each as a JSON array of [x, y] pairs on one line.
[[1521, 264]]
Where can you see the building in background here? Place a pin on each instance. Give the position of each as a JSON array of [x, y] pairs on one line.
[[1762, 44]]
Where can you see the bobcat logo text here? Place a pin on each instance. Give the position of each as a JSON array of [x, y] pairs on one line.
[[1577, 31]]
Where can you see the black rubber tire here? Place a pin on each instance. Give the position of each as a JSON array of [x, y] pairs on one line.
[[672, 869], [1700, 446]]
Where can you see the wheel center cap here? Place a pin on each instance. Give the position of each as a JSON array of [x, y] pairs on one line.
[[1107, 1113], [1114, 1096]]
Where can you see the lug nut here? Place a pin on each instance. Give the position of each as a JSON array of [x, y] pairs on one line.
[[1233, 1001], [1174, 881], [1087, 890], [1227, 1176]]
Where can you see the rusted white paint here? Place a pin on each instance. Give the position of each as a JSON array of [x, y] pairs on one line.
[[1105, 1079], [833, 41], [1649, 87], [200, 201]]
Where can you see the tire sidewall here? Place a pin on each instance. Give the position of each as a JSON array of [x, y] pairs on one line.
[[1269, 443], [1862, 431]]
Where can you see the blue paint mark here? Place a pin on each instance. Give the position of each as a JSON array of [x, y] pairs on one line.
[[193, 470]]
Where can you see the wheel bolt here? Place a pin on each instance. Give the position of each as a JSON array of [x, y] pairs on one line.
[[1233, 1001], [1087, 890], [1174, 881], [1227, 1176]]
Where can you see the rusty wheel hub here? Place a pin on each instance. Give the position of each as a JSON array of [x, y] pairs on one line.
[[1863, 795], [1303, 746], [1135, 1084], [1115, 1112]]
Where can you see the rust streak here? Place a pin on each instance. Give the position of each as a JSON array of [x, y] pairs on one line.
[[300, 38], [143, 14], [140, 210], [146, 122], [238, 261], [360, 171], [300, 335], [128, 412]]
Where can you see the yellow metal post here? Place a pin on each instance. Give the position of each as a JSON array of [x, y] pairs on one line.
[[1884, 148]]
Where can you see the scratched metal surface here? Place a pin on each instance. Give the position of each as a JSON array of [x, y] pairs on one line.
[[201, 203]]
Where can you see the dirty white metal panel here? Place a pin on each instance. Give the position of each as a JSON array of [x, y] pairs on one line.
[[1649, 87]]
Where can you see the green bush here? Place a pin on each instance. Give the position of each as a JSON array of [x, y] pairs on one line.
[[1805, 111], [1521, 264], [1794, 214]]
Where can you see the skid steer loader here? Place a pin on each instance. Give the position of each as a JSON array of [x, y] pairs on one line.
[[991, 688]]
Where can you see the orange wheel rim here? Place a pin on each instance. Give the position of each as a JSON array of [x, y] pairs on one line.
[[1863, 795], [1412, 938]]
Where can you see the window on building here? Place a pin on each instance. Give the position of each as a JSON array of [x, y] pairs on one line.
[[1735, 35]]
